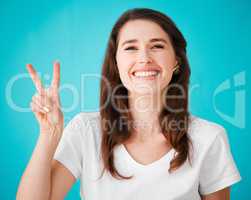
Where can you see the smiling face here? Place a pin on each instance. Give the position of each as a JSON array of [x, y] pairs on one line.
[[145, 57]]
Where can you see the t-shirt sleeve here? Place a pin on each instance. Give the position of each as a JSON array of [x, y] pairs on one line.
[[218, 169], [69, 150]]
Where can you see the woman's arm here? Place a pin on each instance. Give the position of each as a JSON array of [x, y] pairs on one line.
[[61, 181], [44, 178], [223, 194], [36, 180]]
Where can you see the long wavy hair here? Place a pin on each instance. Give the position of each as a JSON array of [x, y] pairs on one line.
[[114, 112]]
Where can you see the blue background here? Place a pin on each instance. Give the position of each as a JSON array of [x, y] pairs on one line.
[[76, 33]]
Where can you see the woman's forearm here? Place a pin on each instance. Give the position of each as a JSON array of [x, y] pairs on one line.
[[36, 180]]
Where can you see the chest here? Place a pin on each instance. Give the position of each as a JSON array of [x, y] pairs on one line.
[[147, 153], [148, 182]]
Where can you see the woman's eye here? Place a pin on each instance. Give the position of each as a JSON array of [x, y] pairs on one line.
[[158, 46], [130, 48]]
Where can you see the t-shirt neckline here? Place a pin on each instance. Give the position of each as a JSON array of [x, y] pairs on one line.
[[165, 157]]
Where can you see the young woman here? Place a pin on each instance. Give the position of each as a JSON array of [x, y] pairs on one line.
[[143, 143]]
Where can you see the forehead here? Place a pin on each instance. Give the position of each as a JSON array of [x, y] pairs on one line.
[[141, 30]]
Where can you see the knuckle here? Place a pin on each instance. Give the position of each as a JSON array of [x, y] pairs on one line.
[[39, 95], [34, 101], [34, 96]]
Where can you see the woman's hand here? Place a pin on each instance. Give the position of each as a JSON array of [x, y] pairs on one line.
[[45, 103]]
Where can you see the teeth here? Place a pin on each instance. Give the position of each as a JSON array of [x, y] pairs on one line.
[[145, 73]]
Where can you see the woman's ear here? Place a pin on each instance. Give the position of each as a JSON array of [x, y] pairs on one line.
[[176, 68]]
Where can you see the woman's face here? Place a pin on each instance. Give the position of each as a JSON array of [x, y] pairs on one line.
[[145, 57]]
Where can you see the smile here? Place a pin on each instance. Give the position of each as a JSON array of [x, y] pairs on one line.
[[146, 74]]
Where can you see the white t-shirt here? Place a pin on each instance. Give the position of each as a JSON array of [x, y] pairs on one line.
[[212, 169]]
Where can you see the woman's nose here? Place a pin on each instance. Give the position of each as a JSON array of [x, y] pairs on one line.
[[144, 56]]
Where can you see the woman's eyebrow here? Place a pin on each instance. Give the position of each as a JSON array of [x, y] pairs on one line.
[[151, 40], [158, 40], [129, 41]]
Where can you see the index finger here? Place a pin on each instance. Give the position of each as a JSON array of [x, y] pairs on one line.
[[34, 76], [56, 76]]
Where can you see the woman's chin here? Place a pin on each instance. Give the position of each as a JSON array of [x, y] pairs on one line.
[[145, 89]]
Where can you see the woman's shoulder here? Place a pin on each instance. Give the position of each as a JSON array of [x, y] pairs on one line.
[[204, 131], [85, 118], [87, 122], [83, 123], [87, 115]]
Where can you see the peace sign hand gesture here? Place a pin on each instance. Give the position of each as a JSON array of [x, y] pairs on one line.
[[45, 103]]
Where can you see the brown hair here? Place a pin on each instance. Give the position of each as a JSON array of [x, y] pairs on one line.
[[116, 111]]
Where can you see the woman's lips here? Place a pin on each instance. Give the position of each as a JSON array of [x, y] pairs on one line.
[[146, 69], [145, 75]]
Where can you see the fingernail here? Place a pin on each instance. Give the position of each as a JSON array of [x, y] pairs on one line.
[[46, 109]]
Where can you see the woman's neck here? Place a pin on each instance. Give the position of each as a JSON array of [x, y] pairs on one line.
[[145, 111]]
